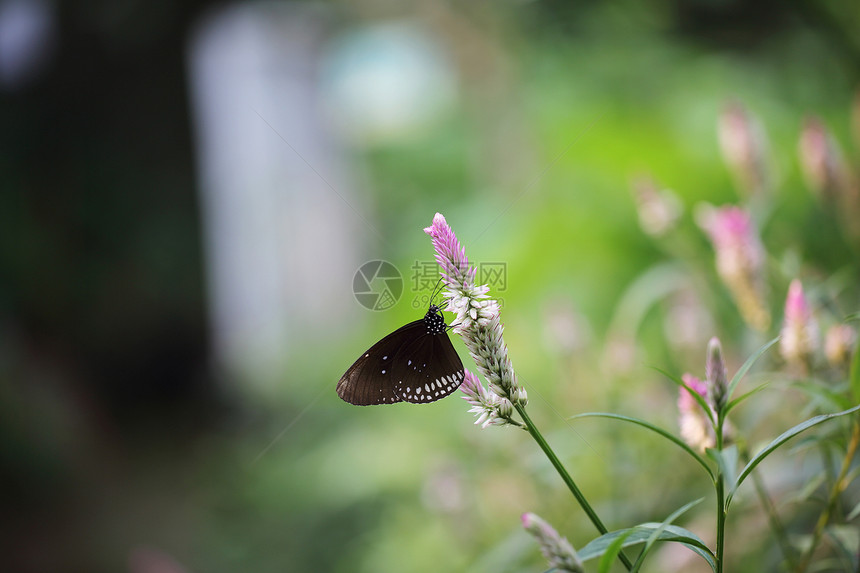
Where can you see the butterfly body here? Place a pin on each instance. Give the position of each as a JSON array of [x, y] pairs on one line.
[[416, 363]]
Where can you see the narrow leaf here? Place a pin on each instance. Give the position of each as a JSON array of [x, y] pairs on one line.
[[655, 536], [727, 459], [612, 551], [696, 396], [731, 405], [853, 513], [781, 439], [640, 534], [666, 434], [748, 364]]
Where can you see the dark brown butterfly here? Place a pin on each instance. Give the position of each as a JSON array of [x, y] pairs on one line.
[[416, 363]]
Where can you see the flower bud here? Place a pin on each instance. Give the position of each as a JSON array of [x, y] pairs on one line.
[[658, 209], [715, 370], [744, 148], [557, 550]]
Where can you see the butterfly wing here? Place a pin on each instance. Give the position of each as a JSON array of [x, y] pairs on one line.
[[427, 369], [369, 380]]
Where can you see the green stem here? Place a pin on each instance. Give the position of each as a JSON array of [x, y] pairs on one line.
[[838, 487], [721, 520], [721, 497], [535, 433]]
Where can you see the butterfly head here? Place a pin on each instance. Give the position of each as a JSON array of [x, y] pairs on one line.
[[434, 321]]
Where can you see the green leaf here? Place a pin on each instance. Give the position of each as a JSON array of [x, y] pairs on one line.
[[655, 536], [641, 533], [666, 434], [612, 551], [727, 460], [853, 513], [780, 440], [854, 376], [731, 405], [747, 365]]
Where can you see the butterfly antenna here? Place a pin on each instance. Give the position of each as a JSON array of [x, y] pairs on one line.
[[436, 290]]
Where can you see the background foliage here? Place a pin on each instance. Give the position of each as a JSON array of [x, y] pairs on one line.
[[119, 441]]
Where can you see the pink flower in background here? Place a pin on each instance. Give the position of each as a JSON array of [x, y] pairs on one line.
[[839, 344], [740, 259], [557, 550], [744, 147], [821, 160], [829, 175], [658, 209], [735, 239], [696, 427], [799, 334]]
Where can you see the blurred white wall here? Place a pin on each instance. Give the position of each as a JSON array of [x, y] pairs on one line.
[[284, 226]]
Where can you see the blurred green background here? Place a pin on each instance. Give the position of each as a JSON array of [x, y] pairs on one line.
[[128, 443]]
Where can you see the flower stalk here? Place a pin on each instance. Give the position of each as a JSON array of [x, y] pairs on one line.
[[478, 324]]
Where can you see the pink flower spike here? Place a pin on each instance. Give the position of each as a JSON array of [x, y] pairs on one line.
[[799, 334], [472, 387], [744, 148], [740, 259], [450, 254], [685, 400], [479, 325], [696, 426], [821, 160], [796, 307], [730, 227], [490, 408]]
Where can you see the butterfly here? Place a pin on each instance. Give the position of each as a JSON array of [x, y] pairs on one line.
[[416, 363]]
